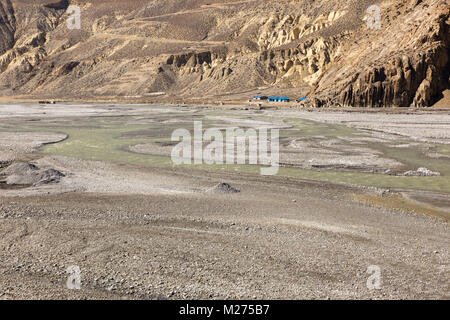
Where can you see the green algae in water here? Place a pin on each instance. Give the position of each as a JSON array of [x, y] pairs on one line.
[[108, 139], [106, 144], [103, 144], [313, 128]]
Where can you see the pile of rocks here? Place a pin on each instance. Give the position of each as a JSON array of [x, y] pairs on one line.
[[23, 173]]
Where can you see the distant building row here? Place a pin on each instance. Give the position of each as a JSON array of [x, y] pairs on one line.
[[277, 99]]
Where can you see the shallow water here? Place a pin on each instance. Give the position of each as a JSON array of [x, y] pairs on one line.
[[107, 138]]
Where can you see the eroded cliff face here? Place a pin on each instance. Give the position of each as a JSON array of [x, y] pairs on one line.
[[196, 48], [7, 26], [393, 68]]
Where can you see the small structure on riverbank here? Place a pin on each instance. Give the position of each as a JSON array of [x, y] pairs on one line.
[[260, 98]]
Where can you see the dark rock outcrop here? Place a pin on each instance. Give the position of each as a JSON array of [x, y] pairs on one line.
[[410, 78], [7, 25]]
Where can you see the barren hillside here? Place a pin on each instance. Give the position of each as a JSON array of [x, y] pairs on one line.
[[207, 48]]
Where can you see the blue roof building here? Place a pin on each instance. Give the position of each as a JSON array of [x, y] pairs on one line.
[[279, 99]]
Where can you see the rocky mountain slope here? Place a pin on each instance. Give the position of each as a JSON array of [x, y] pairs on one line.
[[208, 48]]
